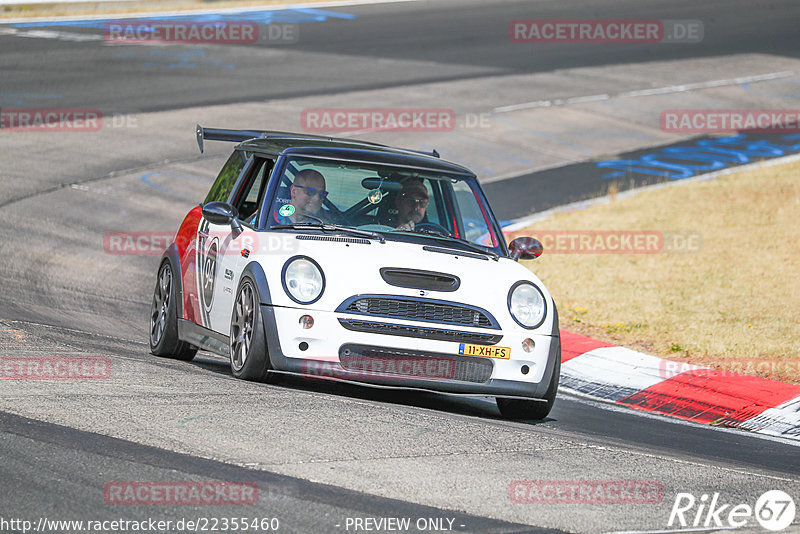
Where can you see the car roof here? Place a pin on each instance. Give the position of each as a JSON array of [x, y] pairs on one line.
[[286, 143]]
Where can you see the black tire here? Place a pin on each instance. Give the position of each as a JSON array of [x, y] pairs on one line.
[[248, 345], [531, 409], [164, 339]]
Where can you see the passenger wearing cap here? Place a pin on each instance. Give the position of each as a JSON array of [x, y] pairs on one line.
[[411, 203]]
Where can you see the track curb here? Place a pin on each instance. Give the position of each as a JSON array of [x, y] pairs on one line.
[[700, 394], [625, 377]]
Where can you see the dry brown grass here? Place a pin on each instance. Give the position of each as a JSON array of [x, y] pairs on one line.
[[93, 8], [733, 305]]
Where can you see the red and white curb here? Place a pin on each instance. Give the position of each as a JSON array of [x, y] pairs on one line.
[[699, 394], [639, 381]]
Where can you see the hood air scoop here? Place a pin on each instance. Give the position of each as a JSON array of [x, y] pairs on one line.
[[417, 279]]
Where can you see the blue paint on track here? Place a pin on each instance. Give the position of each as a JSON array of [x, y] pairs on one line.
[[19, 99], [520, 196], [704, 155]]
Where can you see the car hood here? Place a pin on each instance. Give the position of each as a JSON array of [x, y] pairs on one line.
[[352, 266]]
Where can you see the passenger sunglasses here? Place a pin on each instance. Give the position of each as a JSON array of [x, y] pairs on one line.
[[415, 202]]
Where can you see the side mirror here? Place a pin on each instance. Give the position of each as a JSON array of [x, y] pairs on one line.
[[525, 248], [223, 213]]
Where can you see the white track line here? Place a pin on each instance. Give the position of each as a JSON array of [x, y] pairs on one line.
[[669, 89], [31, 2], [275, 7], [51, 34]]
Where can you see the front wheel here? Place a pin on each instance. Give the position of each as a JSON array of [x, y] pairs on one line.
[[164, 339], [532, 409], [248, 347]]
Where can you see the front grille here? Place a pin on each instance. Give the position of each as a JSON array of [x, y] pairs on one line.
[[374, 362], [440, 334], [420, 310]]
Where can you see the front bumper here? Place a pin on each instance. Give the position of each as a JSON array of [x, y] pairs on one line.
[[328, 350]]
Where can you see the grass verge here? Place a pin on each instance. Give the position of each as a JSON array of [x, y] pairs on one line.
[[729, 299]]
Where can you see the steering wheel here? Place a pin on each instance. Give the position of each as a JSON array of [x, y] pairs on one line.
[[433, 227]]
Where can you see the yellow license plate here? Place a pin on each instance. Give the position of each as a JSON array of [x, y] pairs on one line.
[[487, 351]]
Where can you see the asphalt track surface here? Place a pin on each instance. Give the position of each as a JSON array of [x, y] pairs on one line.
[[445, 40], [319, 452]]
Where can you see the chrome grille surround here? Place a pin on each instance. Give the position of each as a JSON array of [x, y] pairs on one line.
[[419, 309]]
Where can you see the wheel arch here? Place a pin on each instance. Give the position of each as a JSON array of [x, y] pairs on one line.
[[554, 358], [255, 271]]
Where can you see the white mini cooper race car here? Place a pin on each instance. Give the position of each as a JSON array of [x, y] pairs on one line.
[[354, 261]]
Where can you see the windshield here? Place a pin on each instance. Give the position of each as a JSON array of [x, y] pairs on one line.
[[392, 201]]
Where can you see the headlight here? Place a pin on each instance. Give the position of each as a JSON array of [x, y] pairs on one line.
[[303, 280], [526, 304]]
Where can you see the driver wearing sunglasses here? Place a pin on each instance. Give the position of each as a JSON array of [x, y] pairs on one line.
[[411, 203], [308, 192]]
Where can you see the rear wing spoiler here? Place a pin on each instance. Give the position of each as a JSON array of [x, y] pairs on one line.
[[219, 134], [238, 136]]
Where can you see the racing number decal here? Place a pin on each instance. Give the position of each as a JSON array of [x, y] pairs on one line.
[[208, 276], [207, 269]]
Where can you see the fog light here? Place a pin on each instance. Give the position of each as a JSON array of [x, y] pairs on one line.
[[306, 321], [528, 345]]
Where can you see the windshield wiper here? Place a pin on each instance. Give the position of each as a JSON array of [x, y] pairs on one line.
[[477, 248], [327, 227]]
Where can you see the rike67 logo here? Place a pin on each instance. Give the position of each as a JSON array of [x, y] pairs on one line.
[[774, 510]]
